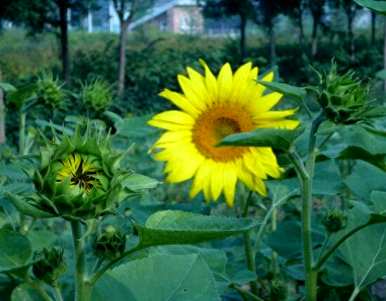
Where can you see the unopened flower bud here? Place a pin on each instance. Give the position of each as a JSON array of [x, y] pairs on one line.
[[334, 220], [49, 265], [110, 243]]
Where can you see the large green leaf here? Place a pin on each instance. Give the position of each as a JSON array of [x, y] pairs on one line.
[[279, 139], [15, 250], [366, 178], [376, 5], [7, 87], [180, 227], [159, 278]]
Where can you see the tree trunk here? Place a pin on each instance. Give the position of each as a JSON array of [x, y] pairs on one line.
[[63, 24], [122, 57], [2, 116], [314, 37], [301, 28], [384, 50], [350, 33], [243, 27], [272, 43], [373, 25]]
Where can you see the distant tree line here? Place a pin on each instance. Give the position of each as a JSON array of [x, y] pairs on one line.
[[265, 13]]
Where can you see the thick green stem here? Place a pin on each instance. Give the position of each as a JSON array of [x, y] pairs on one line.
[[305, 175], [82, 286]]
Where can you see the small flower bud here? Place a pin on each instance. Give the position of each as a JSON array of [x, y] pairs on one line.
[[49, 265], [278, 290], [334, 220], [110, 243]]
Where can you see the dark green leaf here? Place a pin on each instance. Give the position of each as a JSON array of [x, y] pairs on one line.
[[15, 250], [180, 227], [279, 139], [378, 6]]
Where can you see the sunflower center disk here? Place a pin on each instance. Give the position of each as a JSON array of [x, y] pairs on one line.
[[215, 124]]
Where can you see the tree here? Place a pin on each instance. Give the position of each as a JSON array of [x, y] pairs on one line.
[[317, 8], [244, 9], [47, 15], [294, 9], [268, 10], [350, 8], [127, 11]]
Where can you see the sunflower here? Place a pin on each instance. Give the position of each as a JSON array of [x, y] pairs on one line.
[[210, 109]]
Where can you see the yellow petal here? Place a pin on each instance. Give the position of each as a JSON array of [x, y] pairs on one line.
[[266, 78], [181, 102], [267, 102], [198, 82], [211, 83], [191, 94], [200, 179], [173, 137], [224, 83], [279, 124], [217, 181], [172, 120], [271, 115], [230, 180]]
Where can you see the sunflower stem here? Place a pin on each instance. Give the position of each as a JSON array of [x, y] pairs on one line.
[[82, 287], [305, 174], [248, 248]]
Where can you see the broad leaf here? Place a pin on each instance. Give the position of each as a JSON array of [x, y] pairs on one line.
[[365, 178], [6, 87], [138, 182], [26, 292], [180, 227], [285, 89], [15, 250], [279, 139], [378, 6], [159, 278]]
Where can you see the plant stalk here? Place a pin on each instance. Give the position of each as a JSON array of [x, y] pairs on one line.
[[82, 286], [248, 248]]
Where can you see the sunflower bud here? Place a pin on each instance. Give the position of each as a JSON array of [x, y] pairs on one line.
[[49, 265], [79, 176], [49, 91], [97, 95], [278, 290], [334, 220], [110, 243], [344, 98]]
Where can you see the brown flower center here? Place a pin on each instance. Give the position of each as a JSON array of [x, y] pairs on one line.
[[216, 123]]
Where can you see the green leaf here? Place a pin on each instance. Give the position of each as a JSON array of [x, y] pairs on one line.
[[15, 250], [381, 74], [180, 227], [6, 87], [288, 90], [378, 6], [276, 138], [187, 278], [365, 178], [138, 182], [25, 292], [24, 207]]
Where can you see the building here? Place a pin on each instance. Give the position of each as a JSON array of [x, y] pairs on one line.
[[176, 16]]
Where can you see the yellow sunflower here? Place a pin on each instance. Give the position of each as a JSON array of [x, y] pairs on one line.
[[210, 109]]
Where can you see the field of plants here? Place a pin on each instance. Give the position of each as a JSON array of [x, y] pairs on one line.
[[207, 170]]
